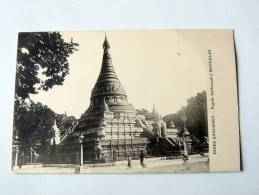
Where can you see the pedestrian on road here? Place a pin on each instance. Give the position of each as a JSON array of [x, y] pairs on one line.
[[142, 156], [185, 151], [129, 163], [114, 155]]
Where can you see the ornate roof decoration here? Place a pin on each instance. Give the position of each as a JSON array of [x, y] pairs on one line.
[[108, 88], [154, 115], [107, 82]]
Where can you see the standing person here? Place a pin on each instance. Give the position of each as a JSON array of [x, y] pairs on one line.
[[142, 156], [114, 155], [185, 151], [102, 157], [129, 162], [201, 147]]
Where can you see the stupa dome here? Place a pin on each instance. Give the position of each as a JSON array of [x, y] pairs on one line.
[[108, 88]]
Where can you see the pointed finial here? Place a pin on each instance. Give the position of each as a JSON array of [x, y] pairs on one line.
[[154, 109], [106, 44]]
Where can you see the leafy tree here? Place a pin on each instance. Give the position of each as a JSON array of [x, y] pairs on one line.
[[34, 124], [196, 112], [41, 61], [65, 122]]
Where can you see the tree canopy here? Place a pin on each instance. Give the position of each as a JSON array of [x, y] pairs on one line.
[[64, 123], [34, 123], [196, 112], [42, 61]]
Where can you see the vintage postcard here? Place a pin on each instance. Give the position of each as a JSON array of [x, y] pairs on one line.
[[136, 101]]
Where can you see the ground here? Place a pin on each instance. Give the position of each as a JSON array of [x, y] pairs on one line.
[[153, 165]]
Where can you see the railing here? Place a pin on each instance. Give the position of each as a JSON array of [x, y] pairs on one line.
[[200, 149], [109, 155], [63, 158]]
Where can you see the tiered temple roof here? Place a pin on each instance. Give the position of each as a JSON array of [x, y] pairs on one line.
[[108, 88], [110, 121]]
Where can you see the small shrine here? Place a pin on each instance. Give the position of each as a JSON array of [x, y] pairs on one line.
[[56, 134]]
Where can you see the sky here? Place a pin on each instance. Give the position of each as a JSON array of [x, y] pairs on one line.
[[160, 67]]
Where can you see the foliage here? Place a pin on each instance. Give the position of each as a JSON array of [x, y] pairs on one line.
[[41, 61], [196, 112], [34, 123], [64, 122]]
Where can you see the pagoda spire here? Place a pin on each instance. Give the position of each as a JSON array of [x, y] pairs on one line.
[[155, 113], [106, 44], [109, 87], [154, 109], [107, 71]]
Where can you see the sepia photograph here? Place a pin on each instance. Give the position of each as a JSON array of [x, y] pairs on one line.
[[138, 101], [129, 97]]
